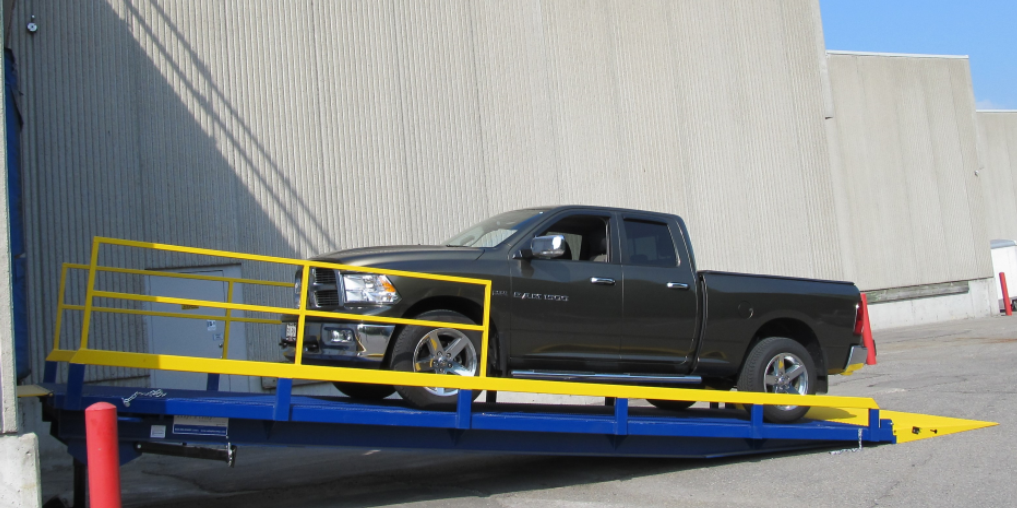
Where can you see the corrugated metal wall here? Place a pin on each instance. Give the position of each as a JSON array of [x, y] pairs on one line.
[[998, 135], [905, 145], [302, 127]]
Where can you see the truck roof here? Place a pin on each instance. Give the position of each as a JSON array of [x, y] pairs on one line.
[[592, 207]]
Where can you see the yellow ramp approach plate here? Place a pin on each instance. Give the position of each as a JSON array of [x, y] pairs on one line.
[[906, 426], [32, 391]]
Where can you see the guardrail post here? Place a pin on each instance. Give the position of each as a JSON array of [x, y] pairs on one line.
[[103, 455], [283, 393], [1006, 294], [464, 409], [621, 417], [756, 417], [212, 383], [49, 372], [75, 385], [874, 425]]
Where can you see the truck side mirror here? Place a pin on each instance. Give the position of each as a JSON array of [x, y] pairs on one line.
[[548, 247]]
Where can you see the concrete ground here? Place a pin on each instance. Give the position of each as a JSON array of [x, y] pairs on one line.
[[963, 369]]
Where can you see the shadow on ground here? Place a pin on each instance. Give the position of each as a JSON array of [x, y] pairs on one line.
[[425, 477]]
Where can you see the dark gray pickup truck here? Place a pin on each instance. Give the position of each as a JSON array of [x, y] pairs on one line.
[[584, 294]]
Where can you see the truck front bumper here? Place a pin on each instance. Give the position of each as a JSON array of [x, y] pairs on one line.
[[363, 344], [856, 360]]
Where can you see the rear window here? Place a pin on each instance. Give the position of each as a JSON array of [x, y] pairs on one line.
[[649, 244]]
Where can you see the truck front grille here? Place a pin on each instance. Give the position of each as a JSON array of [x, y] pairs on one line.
[[326, 298], [323, 275]]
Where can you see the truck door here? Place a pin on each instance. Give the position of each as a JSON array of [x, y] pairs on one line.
[[660, 297], [567, 312]]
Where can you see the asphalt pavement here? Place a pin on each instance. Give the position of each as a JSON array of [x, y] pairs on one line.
[[963, 369]]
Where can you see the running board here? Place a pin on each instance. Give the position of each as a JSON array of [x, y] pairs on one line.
[[593, 377]]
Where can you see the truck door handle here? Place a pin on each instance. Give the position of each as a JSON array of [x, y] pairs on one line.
[[598, 280], [677, 285]]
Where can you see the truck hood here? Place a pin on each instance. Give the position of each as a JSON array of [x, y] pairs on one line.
[[378, 256]]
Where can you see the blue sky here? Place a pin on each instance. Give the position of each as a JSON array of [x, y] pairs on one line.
[[986, 30]]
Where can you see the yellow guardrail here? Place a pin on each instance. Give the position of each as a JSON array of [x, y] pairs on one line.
[[297, 370]]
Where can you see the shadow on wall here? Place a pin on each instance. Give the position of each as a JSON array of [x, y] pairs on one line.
[[130, 134], [160, 39]]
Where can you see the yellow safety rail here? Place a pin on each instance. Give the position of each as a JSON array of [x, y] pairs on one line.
[[297, 370], [58, 354]]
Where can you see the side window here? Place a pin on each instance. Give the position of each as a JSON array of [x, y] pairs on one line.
[[648, 244], [586, 237]]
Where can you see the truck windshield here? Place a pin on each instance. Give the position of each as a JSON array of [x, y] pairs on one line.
[[492, 232]]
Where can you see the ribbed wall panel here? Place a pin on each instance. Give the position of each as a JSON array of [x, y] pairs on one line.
[[998, 134], [305, 127], [908, 149]]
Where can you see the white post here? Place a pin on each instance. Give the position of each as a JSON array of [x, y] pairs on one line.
[[19, 454]]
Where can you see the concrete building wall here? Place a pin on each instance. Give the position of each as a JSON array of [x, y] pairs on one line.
[[318, 126], [905, 156], [998, 136]]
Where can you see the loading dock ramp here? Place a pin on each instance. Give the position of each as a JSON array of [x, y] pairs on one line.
[[228, 419]]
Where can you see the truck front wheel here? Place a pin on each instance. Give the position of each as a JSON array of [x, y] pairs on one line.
[[436, 351], [779, 365]]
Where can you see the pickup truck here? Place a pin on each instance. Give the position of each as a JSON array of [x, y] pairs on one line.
[[587, 294]]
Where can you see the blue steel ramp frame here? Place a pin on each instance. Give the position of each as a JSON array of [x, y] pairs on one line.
[[286, 420]]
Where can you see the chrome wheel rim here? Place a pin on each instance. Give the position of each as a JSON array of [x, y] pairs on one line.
[[785, 373], [445, 351]]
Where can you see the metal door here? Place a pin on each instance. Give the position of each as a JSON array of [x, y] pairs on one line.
[[195, 337]]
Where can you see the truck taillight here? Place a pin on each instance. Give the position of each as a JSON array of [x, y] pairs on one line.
[[859, 319]]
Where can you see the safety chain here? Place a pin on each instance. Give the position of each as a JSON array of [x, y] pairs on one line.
[[157, 393], [838, 452]]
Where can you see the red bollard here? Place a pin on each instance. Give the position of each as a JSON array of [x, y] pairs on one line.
[[1006, 294], [867, 339], [103, 455]]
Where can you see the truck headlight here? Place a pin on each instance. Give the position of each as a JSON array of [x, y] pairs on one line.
[[297, 285], [368, 288]]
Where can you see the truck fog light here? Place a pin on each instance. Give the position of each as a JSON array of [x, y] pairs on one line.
[[334, 336]]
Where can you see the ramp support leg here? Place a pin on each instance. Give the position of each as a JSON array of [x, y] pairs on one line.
[[80, 483], [491, 397]]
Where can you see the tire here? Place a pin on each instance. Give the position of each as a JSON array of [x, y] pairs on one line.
[[671, 405], [769, 359], [365, 391], [414, 352]]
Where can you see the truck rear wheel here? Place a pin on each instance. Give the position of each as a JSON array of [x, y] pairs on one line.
[[779, 365], [365, 391], [436, 351]]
